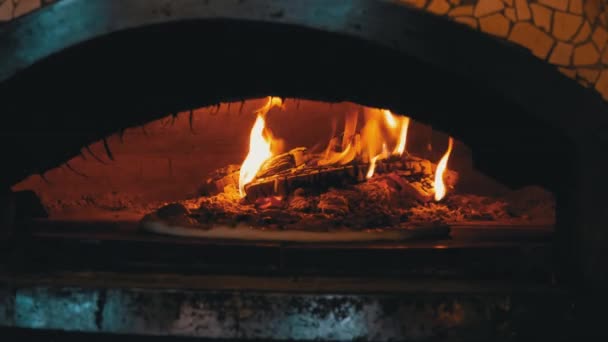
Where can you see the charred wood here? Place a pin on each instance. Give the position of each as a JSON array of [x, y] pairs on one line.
[[218, 180]]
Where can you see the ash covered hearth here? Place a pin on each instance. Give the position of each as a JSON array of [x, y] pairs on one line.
[[318, 170]]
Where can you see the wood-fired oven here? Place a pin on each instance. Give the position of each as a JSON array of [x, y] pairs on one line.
[[303, 170]]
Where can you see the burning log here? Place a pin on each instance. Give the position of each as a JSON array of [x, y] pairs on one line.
[[282, 162], [284, 173], [320, 178], [420, 190], [218, 180]]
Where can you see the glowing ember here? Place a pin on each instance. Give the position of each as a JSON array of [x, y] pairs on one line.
[[440, 171], [269, 202], [260, 143]]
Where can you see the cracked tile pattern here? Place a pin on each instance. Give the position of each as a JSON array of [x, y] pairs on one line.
[[570, 34]]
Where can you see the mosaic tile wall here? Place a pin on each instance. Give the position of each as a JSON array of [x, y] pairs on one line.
[[570, 34]]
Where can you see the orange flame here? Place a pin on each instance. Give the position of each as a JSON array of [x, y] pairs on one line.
[[440, 171], [260, 143], [372, 162], [389, 119], [381, 128], [348, 146], [400, 148]]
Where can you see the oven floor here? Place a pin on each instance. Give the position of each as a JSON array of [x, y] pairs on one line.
[[480, 250], [95, 223]]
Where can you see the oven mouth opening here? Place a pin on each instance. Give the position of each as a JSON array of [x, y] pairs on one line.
[[284, 165], [435, 95], [333, 178]]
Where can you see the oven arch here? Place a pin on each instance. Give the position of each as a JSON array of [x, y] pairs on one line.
[[370, 38]]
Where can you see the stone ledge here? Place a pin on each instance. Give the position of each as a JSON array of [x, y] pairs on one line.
[[280, 316]]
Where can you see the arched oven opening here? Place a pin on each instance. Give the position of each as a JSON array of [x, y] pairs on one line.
[[365, 156], [101, 99]]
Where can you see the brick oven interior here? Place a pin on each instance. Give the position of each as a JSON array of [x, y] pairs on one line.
[[139, 109]]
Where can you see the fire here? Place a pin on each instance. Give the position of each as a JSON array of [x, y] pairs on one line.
[[389, 118], [372, 162], [350, 142], [372, 167], [260, 143], [381, 128], [440, 171], [400, 148]]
